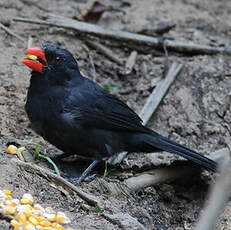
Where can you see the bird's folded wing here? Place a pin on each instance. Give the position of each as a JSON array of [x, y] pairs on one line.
[[107, 112]]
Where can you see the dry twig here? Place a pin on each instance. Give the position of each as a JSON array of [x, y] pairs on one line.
[[219, 194], [67, 23], [59, 180], [104, 50], [130, 62], [163, 174], [11, 32], [159, 92]]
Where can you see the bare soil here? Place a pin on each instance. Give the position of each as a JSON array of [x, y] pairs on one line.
[[195, 112]]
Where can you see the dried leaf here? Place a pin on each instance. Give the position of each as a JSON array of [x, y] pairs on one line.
[[92, 14]]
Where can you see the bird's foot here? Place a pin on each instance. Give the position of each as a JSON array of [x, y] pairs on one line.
[[77, 180]]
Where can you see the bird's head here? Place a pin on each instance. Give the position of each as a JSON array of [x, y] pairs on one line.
[[49, 58]]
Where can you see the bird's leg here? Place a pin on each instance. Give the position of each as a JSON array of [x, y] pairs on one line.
[[87, 171]]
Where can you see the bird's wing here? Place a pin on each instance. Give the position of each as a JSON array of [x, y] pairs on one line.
[[102, 110]]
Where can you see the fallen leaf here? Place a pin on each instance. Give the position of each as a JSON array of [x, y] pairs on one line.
[[92, 14]]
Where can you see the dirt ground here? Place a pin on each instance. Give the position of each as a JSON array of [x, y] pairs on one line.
[[196, 111]]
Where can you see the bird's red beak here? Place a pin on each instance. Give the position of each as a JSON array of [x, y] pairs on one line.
[[36, 59]]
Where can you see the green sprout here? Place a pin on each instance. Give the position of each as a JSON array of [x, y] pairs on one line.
[[97, 209], [37, 154], [111, 86]]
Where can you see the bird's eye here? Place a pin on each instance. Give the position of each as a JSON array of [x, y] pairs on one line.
[[58, 59]]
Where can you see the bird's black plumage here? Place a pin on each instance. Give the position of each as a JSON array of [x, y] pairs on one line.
[[79, 117]]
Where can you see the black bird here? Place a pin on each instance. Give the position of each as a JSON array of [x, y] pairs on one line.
[[79, 117]]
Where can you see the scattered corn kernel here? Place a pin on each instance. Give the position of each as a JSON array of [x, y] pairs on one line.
[[57, 226], [15, 202], [29, 226], [15, 224], [21, 217], [50, 216], [9, 197], [12, 149], [39, 207], [27, 199], [40, 218], [45, 223], [6, 192], [25, 208], [33, 220], [9, 210], [62, 218], [28, 217]]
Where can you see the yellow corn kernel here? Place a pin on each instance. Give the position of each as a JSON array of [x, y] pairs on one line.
[[12, 149], [62, 218], [6, 192], [15, 224], [50, 216], [44, 228], [32, 57], [9, 197], [45, 223], [40, 218], [27, 199], [14, 202], [33, 220], [57, 226], [25, 208], [39, 207], [21, 217], [8, 209], [29, 226]]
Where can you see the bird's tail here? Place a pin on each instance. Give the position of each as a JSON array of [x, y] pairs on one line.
[[151, 143]]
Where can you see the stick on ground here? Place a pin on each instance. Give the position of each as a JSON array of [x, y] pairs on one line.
[[92, 200], [10, 32], [164, 174], [104, 50], [152, 102], [219, 194], [138, 39], [130, 62]]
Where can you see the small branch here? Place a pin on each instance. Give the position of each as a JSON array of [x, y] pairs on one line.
[[104, 50], [7, 30], [163, 174], [219, 194], [130, 62], [159, 92], [59, 180], [67, 23], [152, 103]]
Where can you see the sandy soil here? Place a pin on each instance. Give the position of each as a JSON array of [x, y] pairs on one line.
[[196, 111]]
